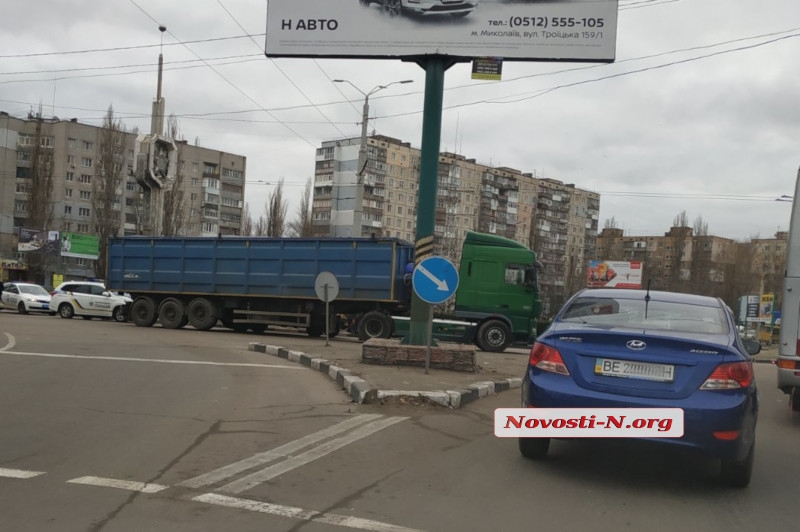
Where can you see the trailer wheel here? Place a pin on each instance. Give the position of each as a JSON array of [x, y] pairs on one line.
[[493, 336], [201, 314], [143, 312], [374, 325], [172, 314]]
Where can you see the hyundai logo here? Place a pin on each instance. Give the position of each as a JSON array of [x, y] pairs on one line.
[[636, 345]]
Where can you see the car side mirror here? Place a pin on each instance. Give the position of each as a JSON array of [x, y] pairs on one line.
[[753, 348], [107, 294]]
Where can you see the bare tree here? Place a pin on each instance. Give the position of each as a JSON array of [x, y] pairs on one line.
[[301, 225], [276, 208], [174, 218], [247, 221], [40, 192], [106, 184], [260, 227], [681, 220], [700, 227], [611, 223]]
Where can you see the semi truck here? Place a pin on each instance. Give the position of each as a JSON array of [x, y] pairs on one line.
[[252, 283]]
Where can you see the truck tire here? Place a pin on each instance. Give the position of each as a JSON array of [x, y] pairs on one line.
[[493, 336], [201, 313], [374, 324], [172, 314], [143, 312]]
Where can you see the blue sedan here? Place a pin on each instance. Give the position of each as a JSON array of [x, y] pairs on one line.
[[615, 348]]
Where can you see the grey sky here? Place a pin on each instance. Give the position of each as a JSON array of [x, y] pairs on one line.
[[725, 125]]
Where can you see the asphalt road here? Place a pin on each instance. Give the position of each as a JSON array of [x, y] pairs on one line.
[[106, 426]]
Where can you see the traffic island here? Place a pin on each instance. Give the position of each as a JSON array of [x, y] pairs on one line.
[[392, 352]]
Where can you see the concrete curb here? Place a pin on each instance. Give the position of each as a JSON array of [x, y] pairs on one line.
[[362, 392]]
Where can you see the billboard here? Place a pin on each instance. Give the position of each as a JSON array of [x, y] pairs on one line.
[[79, 245], [36, 241], [765, 307], [614, 274], [558, 30]]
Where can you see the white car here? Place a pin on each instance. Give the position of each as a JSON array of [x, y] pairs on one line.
[[89, 300], [454, 8], [25, 297]]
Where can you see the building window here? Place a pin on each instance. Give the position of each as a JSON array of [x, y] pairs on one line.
[[85, 195], [195, 167], [68, 193], [86, 145], [72, 143], [130, 186], [21, 205], [70, 176], [86, 162], [67, 209], [83, 228], [195, 181], [23, 172], [83, 211], [85, 178]]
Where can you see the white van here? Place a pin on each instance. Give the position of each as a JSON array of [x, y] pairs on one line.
[[789, 349]]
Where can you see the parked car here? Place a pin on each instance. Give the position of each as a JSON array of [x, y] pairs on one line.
[[675, 351], [394, 8], [25, 297], [89, 300]]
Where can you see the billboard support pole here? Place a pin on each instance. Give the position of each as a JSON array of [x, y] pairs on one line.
[[435, 67]]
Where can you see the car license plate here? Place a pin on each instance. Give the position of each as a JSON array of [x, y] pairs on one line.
[[634, 370]]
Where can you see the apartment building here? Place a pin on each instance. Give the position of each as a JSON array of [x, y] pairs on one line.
[[68, 153], [705, 264], [558, 220]]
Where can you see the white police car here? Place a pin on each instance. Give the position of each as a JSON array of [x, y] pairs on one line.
[[88, 299], [25, 298]]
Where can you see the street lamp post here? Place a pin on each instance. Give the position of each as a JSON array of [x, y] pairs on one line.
[[362, 154]]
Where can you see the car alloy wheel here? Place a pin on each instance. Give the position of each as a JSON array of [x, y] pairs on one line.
[[392, 7]]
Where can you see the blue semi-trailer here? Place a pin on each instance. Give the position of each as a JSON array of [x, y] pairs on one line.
[[254, 282], [251, 283]]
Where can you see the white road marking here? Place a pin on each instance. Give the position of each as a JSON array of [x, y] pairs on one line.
[[120, 484], [254, 479], [19, 473], [11, 343], [279, 452], [299, 513], [155, 360]]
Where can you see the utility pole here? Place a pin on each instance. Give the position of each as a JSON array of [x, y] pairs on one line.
[[358, 197]]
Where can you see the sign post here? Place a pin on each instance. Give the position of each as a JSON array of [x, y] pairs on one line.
[[435, 280], [327, 288]]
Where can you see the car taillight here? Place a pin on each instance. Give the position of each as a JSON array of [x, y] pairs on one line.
[[729, 376], [548, 359]]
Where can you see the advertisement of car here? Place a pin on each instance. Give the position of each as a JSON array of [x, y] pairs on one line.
[[557, 30], [79, 245], [36, 241], [614, 274]]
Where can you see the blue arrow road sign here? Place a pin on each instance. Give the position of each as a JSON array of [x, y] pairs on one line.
[[435, 280]]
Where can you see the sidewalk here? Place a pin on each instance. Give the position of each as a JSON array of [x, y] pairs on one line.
[[369, 383]]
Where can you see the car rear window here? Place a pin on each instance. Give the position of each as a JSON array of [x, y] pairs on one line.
[[655, 315]]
